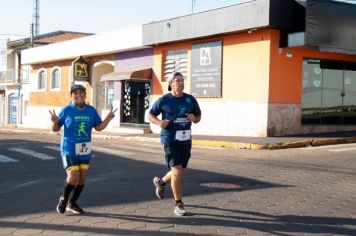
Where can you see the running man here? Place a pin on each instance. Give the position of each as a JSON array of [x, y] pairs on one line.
[[178, 111]]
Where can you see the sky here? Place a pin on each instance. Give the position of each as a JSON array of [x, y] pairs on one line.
[[94, 16]]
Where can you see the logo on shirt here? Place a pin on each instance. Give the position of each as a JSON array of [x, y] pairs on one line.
[[82, 124], [81, 129], [180, 111]]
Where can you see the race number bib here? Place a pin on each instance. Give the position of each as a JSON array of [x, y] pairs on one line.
[[183, 135], [83, 148]]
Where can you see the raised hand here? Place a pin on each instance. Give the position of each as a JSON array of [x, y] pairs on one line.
[[111, 114], [54, 117]]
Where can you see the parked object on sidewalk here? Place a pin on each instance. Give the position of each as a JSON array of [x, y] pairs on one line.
[[178, 111], [78, 119]]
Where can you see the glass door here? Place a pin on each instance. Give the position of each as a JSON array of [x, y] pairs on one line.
[[332, 92], [349, 98]]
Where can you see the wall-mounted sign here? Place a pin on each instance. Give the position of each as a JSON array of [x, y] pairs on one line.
[[80, 70], [206, 69]]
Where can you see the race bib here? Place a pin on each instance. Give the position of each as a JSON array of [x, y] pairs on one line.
[[83, 148], [183, 135]]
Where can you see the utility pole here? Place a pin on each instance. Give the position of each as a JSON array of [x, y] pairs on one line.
[[35, 25], [36, 17]]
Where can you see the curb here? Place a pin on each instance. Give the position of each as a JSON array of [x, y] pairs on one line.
[[212, 143], [283, 145]]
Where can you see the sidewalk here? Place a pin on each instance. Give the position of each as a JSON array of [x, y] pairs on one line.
[[255, 143]]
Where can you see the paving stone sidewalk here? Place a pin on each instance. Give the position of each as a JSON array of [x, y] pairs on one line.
[[255, 143], [284, 192]]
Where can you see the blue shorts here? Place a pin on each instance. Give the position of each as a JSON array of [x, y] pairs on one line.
[[73, 163], [177, 154]]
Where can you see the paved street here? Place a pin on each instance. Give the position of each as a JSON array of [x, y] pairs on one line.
[[305, 191]]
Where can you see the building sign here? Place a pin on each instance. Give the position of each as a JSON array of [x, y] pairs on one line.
[[206, 69], [80, 70]]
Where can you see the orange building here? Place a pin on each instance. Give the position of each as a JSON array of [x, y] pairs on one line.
[[260, 68]]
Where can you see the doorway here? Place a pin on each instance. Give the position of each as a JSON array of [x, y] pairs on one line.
[[12, 112], [135, 101]]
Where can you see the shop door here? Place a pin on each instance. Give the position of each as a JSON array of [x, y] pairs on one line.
[[349, 94], [135, 101], [12, 117], [332, 93]]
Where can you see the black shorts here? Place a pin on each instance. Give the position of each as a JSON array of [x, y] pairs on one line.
[[177, 154], [73, 163]]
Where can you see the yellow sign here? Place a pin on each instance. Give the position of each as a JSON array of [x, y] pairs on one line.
[[80, 70]]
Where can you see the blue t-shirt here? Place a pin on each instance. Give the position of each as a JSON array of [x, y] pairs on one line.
[[77, 130], [175, 109]]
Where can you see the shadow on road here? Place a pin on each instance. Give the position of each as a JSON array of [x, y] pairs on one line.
[[34, 186]]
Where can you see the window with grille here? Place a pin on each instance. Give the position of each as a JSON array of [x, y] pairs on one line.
[[174, 61], [56, 79], [42, 76]]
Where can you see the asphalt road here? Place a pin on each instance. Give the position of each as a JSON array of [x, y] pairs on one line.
[[300, 191]]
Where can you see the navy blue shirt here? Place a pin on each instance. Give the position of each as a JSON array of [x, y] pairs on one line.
[[175, 109]]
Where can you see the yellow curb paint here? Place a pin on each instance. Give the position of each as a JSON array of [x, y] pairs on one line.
[[294, 144], [329, 141], [227, 144]]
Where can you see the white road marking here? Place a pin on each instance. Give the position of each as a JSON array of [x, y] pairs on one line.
[[113, 152], [32, 153], [13, 143], [335, 146], [342, 149], [6, 159], [55, 148], [100, 149]]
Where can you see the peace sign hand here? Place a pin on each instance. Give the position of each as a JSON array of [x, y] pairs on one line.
[[111, 114], [54, 117]]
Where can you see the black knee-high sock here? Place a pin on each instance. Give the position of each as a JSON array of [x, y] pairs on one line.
[[76, 193], [67, 190]]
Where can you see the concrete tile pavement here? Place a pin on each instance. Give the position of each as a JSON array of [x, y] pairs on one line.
[[287, 192], [255, 143]]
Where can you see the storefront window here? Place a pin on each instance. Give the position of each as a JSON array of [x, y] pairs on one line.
[[109, 94], [329, 92]]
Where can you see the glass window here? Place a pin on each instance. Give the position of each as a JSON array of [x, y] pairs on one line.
[[349, 99], [105, 95], [56, 79], [109, 94], [329, 92], [311, 98], [42, 79], [175, 60]]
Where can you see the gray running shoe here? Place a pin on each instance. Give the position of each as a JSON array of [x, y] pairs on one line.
[[159, 187], [73, 207], [179, 209], [61, 207]]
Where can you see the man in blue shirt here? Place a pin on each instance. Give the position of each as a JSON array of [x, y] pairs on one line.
[[78, 119], [178, 111]]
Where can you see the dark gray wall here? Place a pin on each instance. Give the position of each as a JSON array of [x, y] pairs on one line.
[[239, 17]]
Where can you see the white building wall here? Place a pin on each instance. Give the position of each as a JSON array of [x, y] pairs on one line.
[[38, 117], [227, 118]]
